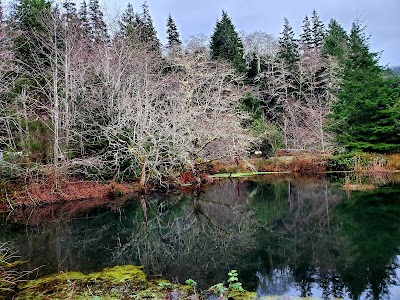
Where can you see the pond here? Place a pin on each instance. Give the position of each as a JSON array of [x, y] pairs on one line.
[[285, 236]]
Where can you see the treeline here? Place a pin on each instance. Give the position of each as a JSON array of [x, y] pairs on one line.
[[84, 101]]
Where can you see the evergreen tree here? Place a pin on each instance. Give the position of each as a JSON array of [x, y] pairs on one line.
[[226, 43], [98, 28], [138, 29], [148, 34], [317, 30], [335, 41], [288, 49], [71, 18], [128, 21], [70, 11], [252, 66], [28, 18], [1, 12], [306, 39], [84, 19], [174, 41], [367, 111]]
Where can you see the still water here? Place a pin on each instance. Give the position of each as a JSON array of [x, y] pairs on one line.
[[285, 236]]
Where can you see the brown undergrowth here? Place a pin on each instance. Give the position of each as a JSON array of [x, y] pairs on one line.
[[45, 191], [40, 193]]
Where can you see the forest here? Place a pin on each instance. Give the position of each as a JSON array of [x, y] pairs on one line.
[[86, 99]]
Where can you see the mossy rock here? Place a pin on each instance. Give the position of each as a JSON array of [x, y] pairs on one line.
[[117, 283], [119, 275], [110, 283], [244, 295]]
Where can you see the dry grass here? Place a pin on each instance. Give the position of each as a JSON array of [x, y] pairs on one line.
[[393, 161], [359, 187]]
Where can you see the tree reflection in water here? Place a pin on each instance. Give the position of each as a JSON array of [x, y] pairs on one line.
[[286, 237]]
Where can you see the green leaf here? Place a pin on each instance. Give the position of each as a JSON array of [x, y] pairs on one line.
[[191, 282], [233, 278]]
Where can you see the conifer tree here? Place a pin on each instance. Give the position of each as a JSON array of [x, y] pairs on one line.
[[70, 11], [84, 19], [288, 49], [335, 41], [306, 36], [71, 18], [28, 17], [1, 12], [127, 23], [226, 43], [148, 33], [138, 28], [174, 41], [366, 113], [317, 30], [98, 28]]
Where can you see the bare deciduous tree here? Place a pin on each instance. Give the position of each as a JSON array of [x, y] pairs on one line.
[[151, 121], [299, 101], [260, 46]]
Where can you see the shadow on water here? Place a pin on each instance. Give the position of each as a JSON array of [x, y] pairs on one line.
[[286, 237]]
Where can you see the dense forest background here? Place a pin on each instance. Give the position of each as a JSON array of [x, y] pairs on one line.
[[80, 99]]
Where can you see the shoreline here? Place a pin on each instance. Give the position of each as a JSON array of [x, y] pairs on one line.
[[70, 190]]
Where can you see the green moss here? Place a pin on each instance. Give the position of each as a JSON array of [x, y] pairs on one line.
[[107, 284], [119, 274], [237, 295], [121, 282]]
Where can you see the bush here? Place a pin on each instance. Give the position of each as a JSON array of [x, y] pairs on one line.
[[342, 162], [269, 135]]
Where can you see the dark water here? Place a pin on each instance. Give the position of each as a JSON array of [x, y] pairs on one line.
[[285, 237]]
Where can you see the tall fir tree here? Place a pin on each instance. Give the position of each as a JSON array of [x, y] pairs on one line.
[[1, 12], [138, 28], [72, 23], [226, 43], [288, 51], [29, 17], [98, 27], [366, 115], [335, 41], [174, 42], [70, 11], [127, 23], [306, 39], [148, 32], [317, 30], [84, 20]]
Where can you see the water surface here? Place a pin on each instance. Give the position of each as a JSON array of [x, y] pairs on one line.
[[285, 237]]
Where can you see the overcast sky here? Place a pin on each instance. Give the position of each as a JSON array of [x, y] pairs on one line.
[[382, 17]]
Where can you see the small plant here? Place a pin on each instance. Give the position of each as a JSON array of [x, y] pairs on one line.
[[165, 285], [193, 284], [233, 281], [233, 285], [219, 289]]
